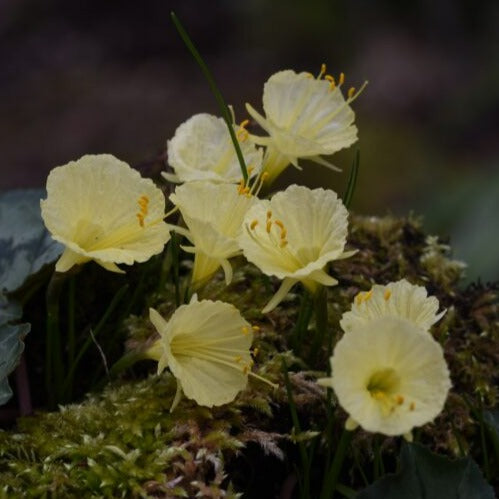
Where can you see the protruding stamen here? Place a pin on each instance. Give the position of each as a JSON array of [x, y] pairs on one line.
[[341, 79], [399, 399], [351, 92], [143, 203], [387, 294], [269, 214], [322, 72], [253, 224], [332, 82], [269, 226], [279, 224], [283, 243], [255, 328], [242, 133]]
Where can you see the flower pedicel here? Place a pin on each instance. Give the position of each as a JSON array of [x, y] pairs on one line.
[[103, 210]]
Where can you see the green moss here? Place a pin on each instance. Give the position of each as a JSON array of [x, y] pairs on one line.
[[124, 442]]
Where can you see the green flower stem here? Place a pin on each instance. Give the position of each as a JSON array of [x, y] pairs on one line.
[[302, 322], [128, 360], [54, 368], [71, 321], [331, 481], [72, 368], [320, 308], [352, 181], [226, 115], [305, 480]]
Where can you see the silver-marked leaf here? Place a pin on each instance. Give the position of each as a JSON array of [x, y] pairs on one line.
[[25, 244]]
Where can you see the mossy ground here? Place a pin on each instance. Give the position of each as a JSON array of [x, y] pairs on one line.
[[124, 442]]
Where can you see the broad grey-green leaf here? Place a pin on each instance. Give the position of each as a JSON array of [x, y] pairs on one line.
[[424, 475], [11, 348], [25, 244]]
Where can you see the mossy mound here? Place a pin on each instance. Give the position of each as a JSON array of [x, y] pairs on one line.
[[124, 442]]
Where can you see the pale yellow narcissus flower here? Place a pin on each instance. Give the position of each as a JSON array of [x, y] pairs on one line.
[[305, 117], [293, 237], [202, 149], [396, 299], [389, 375], [214, 216], [206, 346], [103, 210]]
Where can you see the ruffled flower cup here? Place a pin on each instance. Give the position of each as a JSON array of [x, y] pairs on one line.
[[305, 117], [396, 299], [206, 346], [389, 375], [202, 149], [214, 216], [101, 209], [294, 236]]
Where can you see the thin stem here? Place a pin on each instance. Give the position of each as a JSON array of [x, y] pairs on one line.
[[352, 180], [71, 328], [175, 266], [305, 482], [54, 368], [334, 472], [126, 361], [110, 309], [226, 115], [320, 308], [302, 322]]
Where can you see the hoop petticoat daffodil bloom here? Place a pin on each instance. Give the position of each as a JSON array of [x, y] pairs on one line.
[[214, 216], [389, 375], [202, 149], [305, 117], [294, 235], [103, 210], [396, 299], [206, 345]]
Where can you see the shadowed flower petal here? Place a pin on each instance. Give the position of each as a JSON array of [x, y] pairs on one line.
[[103, 210]]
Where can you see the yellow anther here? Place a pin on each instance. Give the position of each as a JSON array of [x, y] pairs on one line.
[[367, 296], [323, 71], [141, 219], [351, 92], [245, 330], [387, 294], [283, 243], [412, 406], [269, 226], [255, 328], [279, 224], [341, 79], [143, 203], [284, 233], [269, 214], [238, 358], [332, 83], [253, 224], [399, 399], [242, 133]]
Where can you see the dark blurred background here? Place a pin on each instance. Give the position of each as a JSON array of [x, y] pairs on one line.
[[113, 76]]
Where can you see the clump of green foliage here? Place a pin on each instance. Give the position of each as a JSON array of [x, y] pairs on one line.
[[124, 442]]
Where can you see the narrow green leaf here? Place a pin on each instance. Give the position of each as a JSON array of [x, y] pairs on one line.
[[226, 115], [352, 180]]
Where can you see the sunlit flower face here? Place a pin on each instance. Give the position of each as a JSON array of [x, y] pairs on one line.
[[214, 215], [103, 210], [396, 299], [206, 345], [305, 117], [389, 376], [202, 149], [294, 235]]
